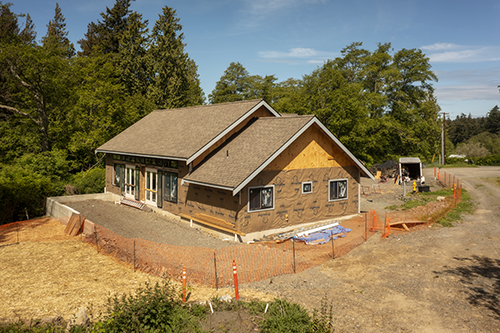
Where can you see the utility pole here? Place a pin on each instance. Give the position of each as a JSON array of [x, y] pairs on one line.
[[443, 139]]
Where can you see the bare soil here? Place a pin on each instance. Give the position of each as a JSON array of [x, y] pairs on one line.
[[433, 280]]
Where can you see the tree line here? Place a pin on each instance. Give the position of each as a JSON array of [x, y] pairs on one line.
[[475, 137], [57, 105]]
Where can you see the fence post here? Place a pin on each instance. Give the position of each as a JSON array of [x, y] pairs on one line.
[[215, 267], [184, 285], [366, 227], [294, 268], [235, 275]]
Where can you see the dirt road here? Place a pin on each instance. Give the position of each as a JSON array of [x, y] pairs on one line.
[[435, 280]]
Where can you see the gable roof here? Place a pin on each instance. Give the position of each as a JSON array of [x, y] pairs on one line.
[[242, 158], [183, 133]]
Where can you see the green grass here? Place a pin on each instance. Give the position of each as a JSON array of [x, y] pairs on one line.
[[466, 206], [420, 199]]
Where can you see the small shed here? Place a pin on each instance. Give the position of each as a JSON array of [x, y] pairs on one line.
[[412, 165]]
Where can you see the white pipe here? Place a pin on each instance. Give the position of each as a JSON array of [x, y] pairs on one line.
[[267, 305], [191, 223], [211, 309], [307, 232]]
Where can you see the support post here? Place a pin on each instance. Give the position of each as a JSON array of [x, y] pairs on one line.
[[215, 267]]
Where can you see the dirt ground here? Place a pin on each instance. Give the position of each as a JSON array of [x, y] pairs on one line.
[[434, 280]]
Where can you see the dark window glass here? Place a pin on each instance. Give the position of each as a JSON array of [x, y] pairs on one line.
[[337, 189], [261, 198]]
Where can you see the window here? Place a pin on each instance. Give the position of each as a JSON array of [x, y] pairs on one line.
[[170, 186], [307, 187], [261, 198], [337, 189], [118, 174]]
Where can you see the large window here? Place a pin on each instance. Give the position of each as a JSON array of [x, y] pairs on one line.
[[337, 189], [261, 198], [170, 187]]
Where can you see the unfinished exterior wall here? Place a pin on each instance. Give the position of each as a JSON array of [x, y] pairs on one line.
[[313, 158]]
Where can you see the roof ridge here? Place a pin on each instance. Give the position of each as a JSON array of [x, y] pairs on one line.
[[257, 100]]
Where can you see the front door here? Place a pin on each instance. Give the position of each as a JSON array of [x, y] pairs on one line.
[[151, 187], [130, 182]]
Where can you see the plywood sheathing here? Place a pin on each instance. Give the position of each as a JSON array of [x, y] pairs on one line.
[[313, 149]]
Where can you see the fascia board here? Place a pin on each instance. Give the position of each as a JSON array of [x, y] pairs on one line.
[[230, 128], [140, 155], [273, 156], [207, 185], [345, 150]]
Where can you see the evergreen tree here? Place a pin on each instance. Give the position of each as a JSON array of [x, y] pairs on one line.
[[57, 36], [234, 85], [133, 58], [175, 81]]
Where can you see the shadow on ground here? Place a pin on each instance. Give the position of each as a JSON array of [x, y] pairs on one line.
[[480, 276]]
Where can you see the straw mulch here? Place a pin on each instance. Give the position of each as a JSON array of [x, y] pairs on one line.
[[53, 275]]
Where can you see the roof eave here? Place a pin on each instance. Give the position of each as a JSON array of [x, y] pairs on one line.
[[220, 187], [98, 150]]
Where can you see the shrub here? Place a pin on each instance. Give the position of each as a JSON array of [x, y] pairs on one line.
[[91, 181], [491, 160], [154, 308], [288, 318]]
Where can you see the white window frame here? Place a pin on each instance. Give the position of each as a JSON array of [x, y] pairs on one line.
[[307, 183], [150, 201], [264, 209], [346, 189], [130, 188]]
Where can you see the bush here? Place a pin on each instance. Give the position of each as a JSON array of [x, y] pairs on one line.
[[288, 318], [154, 308], [491, 160], [92, 181], [23, 191]]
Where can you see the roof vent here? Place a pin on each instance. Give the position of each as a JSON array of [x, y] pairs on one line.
[[227, 153]]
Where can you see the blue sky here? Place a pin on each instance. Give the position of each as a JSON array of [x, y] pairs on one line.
[[291, 38]]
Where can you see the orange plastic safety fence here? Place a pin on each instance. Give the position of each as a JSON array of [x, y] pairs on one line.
[[257, 261]]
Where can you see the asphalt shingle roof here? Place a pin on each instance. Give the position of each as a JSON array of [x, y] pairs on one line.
[[178, 132], [235, 161]]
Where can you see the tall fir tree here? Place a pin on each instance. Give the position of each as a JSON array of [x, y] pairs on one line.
[[57, 36], [175, 81]]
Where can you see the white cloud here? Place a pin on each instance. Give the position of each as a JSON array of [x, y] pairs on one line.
[[298, 52], [441, 46], [269, 6], [467, 93], [298, 55], [454, 53]]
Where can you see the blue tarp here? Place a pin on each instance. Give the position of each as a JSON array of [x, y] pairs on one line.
[[324, 236]]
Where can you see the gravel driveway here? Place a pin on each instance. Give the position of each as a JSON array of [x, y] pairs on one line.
[[133, 223]]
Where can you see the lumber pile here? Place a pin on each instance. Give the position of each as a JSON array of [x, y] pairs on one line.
[[75, 225]]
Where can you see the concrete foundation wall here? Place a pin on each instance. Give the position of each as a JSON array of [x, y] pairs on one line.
[[56, 208]]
